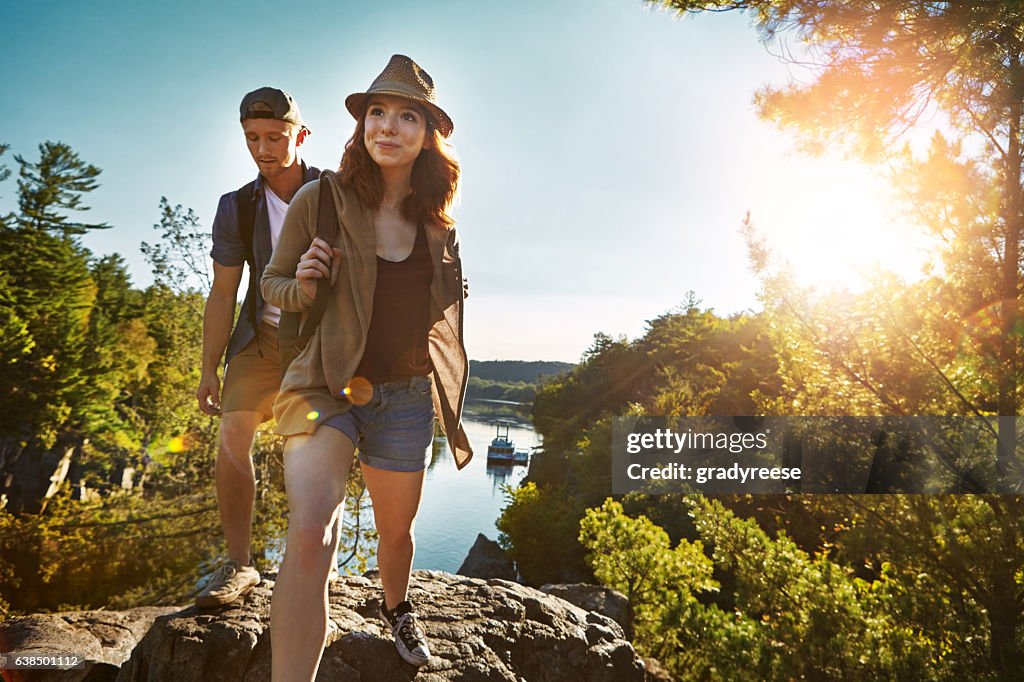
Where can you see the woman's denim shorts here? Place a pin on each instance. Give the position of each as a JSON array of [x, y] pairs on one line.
[[395, 429]]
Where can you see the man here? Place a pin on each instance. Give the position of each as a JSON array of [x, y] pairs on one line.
[[245, 230]]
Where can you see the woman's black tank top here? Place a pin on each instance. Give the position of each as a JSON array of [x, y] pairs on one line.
[[396, 345]]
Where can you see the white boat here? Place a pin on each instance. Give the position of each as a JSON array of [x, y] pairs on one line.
[[502, 449]]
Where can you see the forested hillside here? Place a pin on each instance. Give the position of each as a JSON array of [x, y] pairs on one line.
[[510, 371], [510, 380]]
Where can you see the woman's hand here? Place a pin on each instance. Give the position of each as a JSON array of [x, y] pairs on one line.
[[319, 261]]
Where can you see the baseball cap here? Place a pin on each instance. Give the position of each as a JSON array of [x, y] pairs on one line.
[[270, 102]]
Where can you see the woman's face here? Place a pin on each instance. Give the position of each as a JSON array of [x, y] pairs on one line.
[[395, 131]]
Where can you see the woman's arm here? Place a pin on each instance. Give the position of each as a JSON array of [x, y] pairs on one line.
[[279, 284]]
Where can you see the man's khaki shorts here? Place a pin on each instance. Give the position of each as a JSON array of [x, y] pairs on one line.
[[253, 376]]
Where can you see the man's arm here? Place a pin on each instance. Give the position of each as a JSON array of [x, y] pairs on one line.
[[217, 321]]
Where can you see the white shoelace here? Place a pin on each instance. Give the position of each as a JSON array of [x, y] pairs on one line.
[[409, 630]]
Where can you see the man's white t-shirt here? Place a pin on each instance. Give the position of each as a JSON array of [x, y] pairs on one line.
[[276, 208]]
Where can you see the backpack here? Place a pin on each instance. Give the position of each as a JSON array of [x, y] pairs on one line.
[[292, 335], [246, 212]]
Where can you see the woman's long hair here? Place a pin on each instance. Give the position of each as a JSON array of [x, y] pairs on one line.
[[435, 177]]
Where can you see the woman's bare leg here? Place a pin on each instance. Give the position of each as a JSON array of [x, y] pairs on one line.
[[396, 500], [315, 474]]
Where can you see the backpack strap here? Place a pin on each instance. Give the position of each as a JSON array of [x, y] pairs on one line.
[[327, 229], [246, 212]]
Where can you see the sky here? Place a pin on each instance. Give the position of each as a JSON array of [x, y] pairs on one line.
[[609, 151]]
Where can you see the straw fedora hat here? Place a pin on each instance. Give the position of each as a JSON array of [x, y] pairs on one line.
[[403, 77]]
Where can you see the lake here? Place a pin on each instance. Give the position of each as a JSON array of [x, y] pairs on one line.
[[457, 505]]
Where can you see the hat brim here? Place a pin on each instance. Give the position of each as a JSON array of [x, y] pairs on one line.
[[357, 101]]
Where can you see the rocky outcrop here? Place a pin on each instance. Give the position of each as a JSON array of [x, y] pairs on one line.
[[478, 630], [486, 559], [604, 600], [105, 638]]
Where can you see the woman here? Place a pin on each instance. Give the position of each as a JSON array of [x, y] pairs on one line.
[[387, 355]]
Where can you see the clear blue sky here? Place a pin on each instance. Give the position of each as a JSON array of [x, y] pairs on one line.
[[609, 151]]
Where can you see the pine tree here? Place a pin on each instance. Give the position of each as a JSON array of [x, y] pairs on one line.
[[53, 185]]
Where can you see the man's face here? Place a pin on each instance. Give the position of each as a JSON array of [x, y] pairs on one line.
[[272, 143]]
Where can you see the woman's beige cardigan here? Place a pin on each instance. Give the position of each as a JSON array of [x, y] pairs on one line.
[[312, 389]]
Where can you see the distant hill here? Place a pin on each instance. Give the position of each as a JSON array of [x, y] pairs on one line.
[[513, 380], [512, 371]]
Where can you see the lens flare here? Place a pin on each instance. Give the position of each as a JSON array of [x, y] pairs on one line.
[[359, 391], [177, 444], [312, 415]]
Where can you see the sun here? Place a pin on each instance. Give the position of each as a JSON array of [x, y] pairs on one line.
[[834, 222]]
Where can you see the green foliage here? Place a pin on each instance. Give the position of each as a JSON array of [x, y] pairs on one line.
[[792, 616], [689, 362], [519, 391], [612, 374], [91, 555], [707, 365], [959, 561], [52, 185], [815, 619], [179, 260], [50, 333], [5, 173], [635, 557], [533, 528]]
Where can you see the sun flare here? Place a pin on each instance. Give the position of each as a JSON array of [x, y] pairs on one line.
[[833, 222]]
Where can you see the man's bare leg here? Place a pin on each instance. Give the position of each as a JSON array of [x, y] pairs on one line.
[[236, 481]]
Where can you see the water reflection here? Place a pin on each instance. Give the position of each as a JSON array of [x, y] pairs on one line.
[[503, 474]]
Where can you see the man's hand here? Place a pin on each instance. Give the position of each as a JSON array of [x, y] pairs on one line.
[[208, 394], [319, 262]]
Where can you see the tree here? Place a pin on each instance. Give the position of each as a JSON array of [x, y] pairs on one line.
[[54, 184], [51, 298], [880, 69], [634, 556], [962, 560], [798, 615], [537, 527], [5, 173], [179, 260]]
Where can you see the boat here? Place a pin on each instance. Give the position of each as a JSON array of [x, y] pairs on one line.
[[502, 449]]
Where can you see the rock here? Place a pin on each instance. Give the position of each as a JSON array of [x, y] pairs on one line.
[[656, 672], [105, 638], [486, 559], [478, 630], [603, 600]]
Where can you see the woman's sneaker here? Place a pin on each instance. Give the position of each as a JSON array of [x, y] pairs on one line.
[[409, 638], [227, 584]]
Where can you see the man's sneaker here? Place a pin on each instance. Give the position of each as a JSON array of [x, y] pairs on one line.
[[227, 584], [409, 638]]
